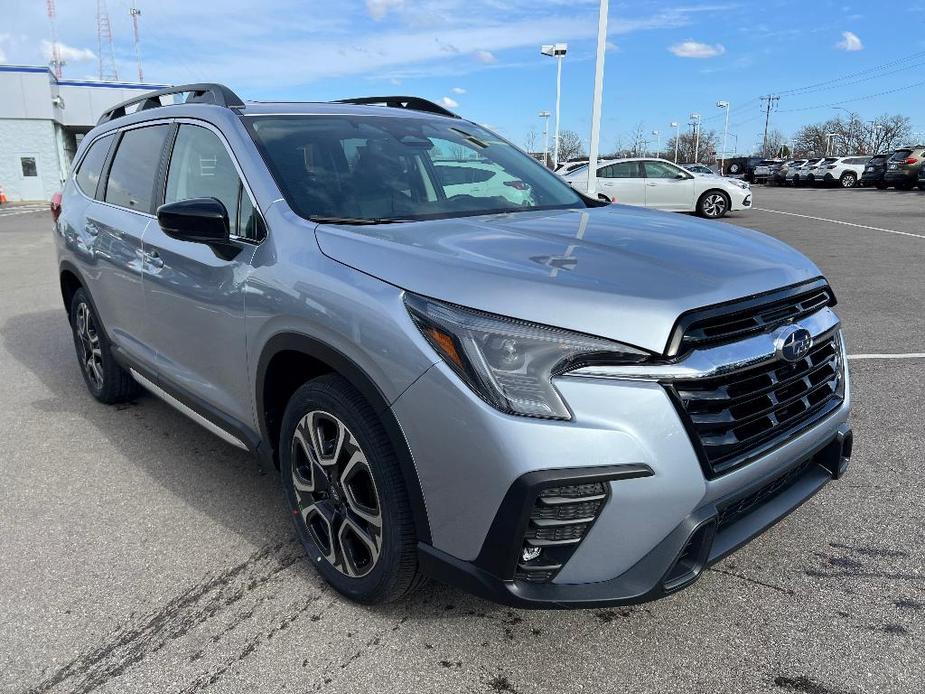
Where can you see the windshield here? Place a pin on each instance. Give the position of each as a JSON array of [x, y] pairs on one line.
[[372, 169]]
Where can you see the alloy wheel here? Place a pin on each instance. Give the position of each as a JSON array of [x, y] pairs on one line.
[[848, 181], [91, 352], [714, 205], [336, 494]]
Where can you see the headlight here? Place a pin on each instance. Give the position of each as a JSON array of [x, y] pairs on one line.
[[510, 363], [742, 184]]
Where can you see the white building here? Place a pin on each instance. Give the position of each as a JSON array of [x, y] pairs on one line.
[[42, 120]]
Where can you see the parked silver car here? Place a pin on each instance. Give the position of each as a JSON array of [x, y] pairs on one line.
[[549, 403]]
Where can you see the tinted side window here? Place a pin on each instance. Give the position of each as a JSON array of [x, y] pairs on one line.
[[200, 167], [131, 177], [88, 175], [623, 169], [657, 169]]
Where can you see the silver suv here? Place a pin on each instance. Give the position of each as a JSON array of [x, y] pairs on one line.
[[542, 399]]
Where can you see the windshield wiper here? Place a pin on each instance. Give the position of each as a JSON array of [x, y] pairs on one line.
[[320, 219]]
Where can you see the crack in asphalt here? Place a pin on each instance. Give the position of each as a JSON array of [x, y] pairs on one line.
[[755, 581], [129, 645]]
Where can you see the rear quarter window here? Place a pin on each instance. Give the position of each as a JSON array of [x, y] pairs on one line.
[[901, 155], [91, 168], [131, 176]]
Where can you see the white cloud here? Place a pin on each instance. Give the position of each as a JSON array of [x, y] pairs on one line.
[[695, 49], [850, 42], [2, 56], [458, 90], [68, 54], [485, 57], [378, 9], [395, 80], [611, 46], [448, 102]]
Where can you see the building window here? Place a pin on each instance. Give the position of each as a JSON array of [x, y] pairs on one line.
[[28, 167]]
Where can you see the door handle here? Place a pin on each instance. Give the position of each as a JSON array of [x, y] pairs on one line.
[[154, 260], [652, 184]]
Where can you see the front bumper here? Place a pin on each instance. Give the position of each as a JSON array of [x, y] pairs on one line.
[[701, 539], [470, 460]]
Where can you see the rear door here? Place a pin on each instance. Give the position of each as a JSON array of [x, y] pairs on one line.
[[622, 182], [195, 295], [117, 224], [668, 187]]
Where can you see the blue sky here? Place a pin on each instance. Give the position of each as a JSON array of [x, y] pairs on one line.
[[665, 59]]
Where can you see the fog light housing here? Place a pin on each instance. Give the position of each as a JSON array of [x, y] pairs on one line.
[[531, 553]]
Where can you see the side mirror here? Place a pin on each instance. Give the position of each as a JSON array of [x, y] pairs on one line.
[[680, 176], [199, 220]]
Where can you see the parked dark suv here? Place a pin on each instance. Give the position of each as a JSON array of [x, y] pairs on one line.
[[874, 171], [902, 169]]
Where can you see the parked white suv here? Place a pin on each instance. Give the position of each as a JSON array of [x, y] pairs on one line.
[[662, 185], [482, 179], [845, 171]]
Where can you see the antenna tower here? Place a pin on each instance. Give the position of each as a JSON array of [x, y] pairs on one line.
[[104, 41]]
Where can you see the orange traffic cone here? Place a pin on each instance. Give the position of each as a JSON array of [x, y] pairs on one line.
[[2, 197]]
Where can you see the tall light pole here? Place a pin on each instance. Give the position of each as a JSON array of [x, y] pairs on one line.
[[598, 96], [677, 137], [695, 121], [545, 116], [557, 51], [725, 106], [658, 143]]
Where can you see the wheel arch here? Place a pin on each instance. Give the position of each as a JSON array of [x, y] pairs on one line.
[[290, 359], [70, 280]]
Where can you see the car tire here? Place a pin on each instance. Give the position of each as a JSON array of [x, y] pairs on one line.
[[346, 493], [848, 180], [714, 204], [106, 380]]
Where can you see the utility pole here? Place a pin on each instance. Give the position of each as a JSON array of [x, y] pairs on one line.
[[545, 116], [695, 124], [677, 138], [771, 101], [136, 13], [598, 96]]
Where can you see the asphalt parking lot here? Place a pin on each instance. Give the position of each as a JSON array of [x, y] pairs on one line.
[[140, 553]]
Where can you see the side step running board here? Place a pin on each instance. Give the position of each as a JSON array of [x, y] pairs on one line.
[[189, 412]]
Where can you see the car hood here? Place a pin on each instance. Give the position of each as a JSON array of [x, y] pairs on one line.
[[619, 272]]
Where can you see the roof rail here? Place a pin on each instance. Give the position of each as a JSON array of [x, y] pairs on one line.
[[412, 103], [205, 93]]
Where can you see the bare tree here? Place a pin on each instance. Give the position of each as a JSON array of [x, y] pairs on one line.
[[530, 140], [570, 145], [638, 140], [852, 135], [776, 144], [687, 141]]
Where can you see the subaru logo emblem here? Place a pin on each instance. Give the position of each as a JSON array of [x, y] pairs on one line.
[[793, 342]]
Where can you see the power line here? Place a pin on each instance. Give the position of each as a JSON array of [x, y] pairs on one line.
[[851, 75], [858, 98]]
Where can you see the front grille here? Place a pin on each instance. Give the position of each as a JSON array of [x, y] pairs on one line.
[[559, 520], [734, 511], [733, 417], [725, 323]]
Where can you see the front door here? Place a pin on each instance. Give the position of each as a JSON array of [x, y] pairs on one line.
[[668, 187], [622, 183], [195, 295], [30, 181]]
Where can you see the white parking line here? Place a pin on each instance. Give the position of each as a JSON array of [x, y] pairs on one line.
[[910, 355], [847, 224]]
